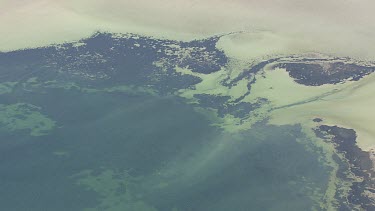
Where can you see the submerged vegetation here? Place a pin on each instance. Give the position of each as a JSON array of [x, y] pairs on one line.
[[149, 124]]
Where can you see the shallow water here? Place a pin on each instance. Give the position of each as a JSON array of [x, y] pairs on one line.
[[136, 151], [127, 122]]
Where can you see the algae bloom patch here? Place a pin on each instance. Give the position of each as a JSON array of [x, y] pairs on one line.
[[27, 117]]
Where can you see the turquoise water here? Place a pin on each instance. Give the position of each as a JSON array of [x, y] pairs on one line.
[[136, 151]]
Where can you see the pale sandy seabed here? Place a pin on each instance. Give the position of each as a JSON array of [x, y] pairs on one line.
[[344, 28], [346, 104]]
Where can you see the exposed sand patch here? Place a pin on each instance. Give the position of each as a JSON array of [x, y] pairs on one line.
[[258, 44]]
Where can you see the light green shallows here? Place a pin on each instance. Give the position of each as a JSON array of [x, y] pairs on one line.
[[22, 116]]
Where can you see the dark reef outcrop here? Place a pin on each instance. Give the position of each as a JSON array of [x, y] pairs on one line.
[[357, 161], [109, 59], [321, 72]]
